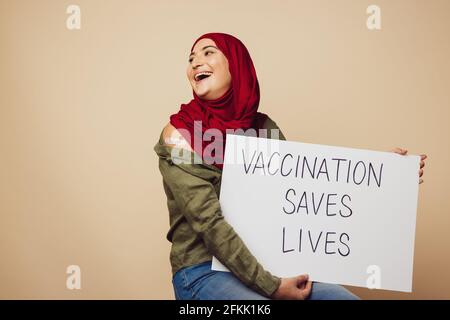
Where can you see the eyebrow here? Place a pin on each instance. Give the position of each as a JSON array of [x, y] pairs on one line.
[[204, 49]]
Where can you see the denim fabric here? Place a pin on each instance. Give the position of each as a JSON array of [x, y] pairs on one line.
[[199, 282]]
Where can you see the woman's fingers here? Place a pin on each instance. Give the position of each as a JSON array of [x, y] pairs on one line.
[[301, 280], [400, 151], [307, 290], [422, 164], [422, 158], [303, 287]]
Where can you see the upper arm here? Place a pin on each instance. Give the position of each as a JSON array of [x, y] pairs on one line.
[[173, 138]]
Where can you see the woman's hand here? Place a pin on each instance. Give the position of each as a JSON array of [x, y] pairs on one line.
[[296, 288], [403, 152]]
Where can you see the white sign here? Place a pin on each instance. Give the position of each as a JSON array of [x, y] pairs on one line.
[[341, 215]]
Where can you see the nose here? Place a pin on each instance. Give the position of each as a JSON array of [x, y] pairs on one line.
[[196, 62]]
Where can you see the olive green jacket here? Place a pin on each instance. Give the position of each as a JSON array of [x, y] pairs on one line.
[[198, 229]]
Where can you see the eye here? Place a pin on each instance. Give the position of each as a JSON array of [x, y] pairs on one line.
[[190, 60], [206, 53]]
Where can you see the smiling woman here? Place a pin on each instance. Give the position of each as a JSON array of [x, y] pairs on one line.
[[208, 70], [226, 97]]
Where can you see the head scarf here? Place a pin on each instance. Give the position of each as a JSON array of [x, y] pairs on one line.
[[236, 109]]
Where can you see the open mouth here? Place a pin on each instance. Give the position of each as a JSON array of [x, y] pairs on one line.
[[202, 75]]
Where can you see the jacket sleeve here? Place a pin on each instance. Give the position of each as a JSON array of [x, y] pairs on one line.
[[199, 202], [274, 131]]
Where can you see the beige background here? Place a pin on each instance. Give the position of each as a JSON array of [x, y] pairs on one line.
[[81, 112]]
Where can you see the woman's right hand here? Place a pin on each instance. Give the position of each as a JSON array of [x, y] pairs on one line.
[[296, 288]]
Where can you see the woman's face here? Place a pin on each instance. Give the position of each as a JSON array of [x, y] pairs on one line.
[[208, 70]]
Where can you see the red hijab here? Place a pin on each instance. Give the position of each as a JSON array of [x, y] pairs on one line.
[[236, 109]]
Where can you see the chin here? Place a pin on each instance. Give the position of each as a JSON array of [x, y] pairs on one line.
[[202, 94]]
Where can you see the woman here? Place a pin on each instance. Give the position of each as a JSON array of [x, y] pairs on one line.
[[226, 96]]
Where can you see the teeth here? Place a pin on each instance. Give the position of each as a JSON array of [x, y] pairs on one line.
[[202, 73]]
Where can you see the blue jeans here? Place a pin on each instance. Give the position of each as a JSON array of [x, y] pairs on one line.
[[199, 282]]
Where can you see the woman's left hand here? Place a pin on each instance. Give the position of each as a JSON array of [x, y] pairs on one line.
[[403, 152]]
